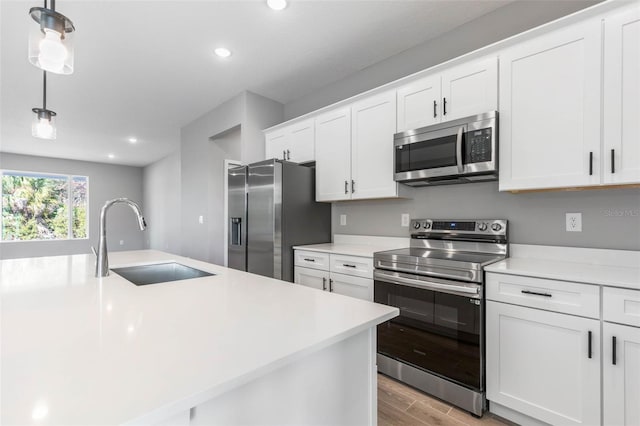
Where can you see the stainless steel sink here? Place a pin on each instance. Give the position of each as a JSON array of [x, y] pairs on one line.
[[159, 273]]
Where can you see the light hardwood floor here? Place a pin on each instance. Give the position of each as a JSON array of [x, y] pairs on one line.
[[401, 405]]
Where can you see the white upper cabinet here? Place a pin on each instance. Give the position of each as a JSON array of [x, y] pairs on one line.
[[550, 110], [467, 89], [373, 126], [621, 143], [293, 143], [419, 104], [333, 155], [470, 89]]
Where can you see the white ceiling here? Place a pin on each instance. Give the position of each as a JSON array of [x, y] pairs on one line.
[[146, 68]]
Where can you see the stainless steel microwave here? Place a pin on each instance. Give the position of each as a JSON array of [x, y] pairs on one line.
[[458, 151]]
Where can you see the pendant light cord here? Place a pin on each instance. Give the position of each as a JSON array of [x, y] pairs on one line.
[[44, 90]]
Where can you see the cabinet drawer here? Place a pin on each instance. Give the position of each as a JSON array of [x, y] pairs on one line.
[[361, 288], [312, 259], [559, 296], [621, 305], [352, 265]]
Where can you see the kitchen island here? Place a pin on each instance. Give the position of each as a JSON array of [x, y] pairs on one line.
[[233, 348]]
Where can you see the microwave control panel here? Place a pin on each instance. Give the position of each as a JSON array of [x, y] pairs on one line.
[[478, 146]]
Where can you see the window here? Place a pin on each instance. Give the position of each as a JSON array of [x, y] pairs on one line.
[[38, 206]]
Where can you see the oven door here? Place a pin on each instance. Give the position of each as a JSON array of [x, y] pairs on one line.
[[429, 154], [439, 329]]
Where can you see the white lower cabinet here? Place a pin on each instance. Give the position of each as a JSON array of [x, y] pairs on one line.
[[621, 374], [544, 364], [342, 274]]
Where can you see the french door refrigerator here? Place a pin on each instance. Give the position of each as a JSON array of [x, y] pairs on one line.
[[272, 208]]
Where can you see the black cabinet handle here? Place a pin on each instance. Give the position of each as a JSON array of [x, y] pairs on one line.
[[330, 285], [435, 112], [613, 351], [324, 283], [353, 186], [309, 260], [589, 349], [346, 187], [536, 293], [591, 163], [348, 266], [444, 106], [613, 161]]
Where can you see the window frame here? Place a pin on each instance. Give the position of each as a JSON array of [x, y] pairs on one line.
[[69, 178]]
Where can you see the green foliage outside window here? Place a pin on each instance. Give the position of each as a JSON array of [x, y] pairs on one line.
[[37, 206]]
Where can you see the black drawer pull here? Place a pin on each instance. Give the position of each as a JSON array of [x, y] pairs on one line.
[[536, 293], [309, 260], [589, 349], [346, 265], [444, 106], [613, 161], [614, 354], [591, 163], [435, 113]]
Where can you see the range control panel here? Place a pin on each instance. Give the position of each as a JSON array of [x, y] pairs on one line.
[[443, 227]]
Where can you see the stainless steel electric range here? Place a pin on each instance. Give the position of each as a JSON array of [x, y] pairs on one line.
[[436, 344]]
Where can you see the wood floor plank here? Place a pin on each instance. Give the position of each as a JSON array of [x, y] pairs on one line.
[[391, 385], [431, 416], [388, 415]]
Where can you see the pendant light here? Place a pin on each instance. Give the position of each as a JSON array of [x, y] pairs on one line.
[[51, 40], [44, 120]]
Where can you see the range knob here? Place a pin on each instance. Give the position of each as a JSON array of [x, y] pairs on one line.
[[482, 226], [426, 225], [496, 227], [416, 225]]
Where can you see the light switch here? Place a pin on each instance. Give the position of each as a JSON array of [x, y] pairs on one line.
[[404, 219], [343, 220], [200, 219], [121, 242]]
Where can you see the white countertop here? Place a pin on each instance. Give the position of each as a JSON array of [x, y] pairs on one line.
[[82, 350], [357, 245], [615, 268]]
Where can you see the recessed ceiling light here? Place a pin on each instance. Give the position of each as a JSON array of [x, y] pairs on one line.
[[111, 156], [277, 4], [222, 52], [132, 139]]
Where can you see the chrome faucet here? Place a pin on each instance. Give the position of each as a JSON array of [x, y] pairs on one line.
[[102, 260]]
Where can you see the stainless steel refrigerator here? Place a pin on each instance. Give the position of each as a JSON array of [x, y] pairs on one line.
[[272, 208]]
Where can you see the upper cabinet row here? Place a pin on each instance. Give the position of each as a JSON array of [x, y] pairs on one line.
[[570, 106]]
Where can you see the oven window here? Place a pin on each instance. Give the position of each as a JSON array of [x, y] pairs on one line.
[[437, 332]]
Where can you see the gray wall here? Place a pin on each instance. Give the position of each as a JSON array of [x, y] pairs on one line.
[[106, 181], [504, 22], [205, 144], [162, 204], [610, 217]]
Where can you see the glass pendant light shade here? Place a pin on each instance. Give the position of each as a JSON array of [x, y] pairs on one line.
[[51, 41], [43, 125]]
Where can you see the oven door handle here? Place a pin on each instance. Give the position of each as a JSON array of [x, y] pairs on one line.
[[427, 285], [459, 149]]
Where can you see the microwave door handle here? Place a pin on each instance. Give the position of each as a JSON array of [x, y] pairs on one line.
[[459, 149]]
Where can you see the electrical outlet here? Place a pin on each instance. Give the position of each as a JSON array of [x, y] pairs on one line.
[[121, 242], [200, 219], [404, 221], [343, 220], [574, 222]]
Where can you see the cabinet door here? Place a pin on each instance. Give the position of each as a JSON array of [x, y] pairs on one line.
[[313, 278], [419, 104], [622, 97], [333, 155], [550, 110], [621, 381], [302, 142], [470, 89], [538, 364], [275, 144], [361, 288], [374, 124]]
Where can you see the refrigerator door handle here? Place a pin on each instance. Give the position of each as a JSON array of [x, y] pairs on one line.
[[236, 231]]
